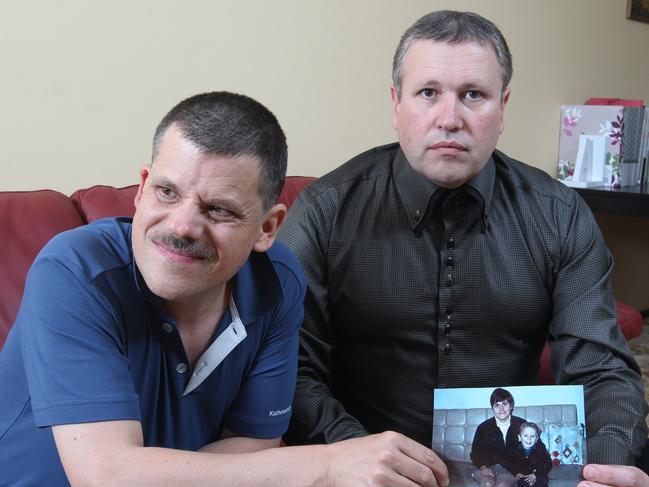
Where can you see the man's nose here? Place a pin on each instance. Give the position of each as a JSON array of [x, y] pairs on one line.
[[448, 115], [185, 221]]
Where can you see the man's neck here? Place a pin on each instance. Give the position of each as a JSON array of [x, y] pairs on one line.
[[503, 422], [198, 319]]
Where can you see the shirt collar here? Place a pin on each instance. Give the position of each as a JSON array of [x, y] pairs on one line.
[[414, 189], [419, 195], [256, 287], [482, 184]]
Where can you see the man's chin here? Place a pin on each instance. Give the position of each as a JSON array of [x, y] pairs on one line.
[[447, 174], [170, 293], [172, 287]]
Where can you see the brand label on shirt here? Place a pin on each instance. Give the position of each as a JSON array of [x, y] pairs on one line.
[[279, 412]]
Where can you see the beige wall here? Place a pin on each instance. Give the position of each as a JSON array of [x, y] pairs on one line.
[[85, 82]]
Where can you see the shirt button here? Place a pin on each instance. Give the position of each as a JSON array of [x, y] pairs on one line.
[[449, 262], [447, 348], [167, 327], [181, 368], [447, 328], [451, 243], [449, 312], [449, 281]]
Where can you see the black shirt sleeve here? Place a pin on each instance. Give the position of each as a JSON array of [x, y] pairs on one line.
[[318, 417]]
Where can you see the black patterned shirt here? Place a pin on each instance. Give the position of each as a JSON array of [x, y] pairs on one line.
[[413, 287]]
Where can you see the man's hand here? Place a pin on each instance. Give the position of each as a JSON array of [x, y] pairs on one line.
[[613, 475], [486, 471], [386, 459], [530, 479]]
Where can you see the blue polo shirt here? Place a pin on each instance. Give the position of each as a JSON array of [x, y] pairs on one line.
[[92, 343]]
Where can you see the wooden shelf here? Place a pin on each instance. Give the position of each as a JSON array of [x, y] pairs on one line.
[[624, 201]]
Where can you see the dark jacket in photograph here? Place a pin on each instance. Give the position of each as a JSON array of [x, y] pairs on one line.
[[536, 461], [488, 446]]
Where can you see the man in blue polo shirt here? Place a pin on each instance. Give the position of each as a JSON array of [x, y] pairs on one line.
[[144, 350]]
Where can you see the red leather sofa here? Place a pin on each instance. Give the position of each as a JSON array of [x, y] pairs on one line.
[[28, 219]]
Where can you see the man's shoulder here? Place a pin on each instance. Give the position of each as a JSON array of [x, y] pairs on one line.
[[365, 168], [284, 261], [531, 180], [517, 421], [92, 248], [276, 274], [487, 423]]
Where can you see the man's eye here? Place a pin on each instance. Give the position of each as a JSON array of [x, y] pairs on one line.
[[427, 93], [219, 213], [473, 95], [165, 193]]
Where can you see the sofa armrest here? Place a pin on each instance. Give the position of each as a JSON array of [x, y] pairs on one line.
[[28, 220]]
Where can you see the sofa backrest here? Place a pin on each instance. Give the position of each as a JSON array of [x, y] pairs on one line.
[[29, 219], [99, 202]]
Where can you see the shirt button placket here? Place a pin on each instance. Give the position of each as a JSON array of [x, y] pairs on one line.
[[447, 282]]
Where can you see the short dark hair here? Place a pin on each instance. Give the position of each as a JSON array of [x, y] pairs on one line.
[[223, 123], [500, 395], [455, 28], [529, 424]]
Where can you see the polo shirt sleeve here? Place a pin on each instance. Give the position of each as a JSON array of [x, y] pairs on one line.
[[73, 347], [262, 408]]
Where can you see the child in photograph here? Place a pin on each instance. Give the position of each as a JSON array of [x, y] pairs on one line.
[[530, 461]]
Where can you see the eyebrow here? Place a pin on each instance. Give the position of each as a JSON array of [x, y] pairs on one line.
[[472, 84], [162, 181], [205, 201]]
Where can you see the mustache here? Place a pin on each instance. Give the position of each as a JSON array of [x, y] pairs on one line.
[[187, 246]]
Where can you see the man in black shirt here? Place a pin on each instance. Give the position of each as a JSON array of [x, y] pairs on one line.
[[442, 262], [492, 440]]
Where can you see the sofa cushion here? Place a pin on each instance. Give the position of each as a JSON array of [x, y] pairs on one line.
[[630, 320], [565, 444], [292, 187], [100, 201], [28, 220]]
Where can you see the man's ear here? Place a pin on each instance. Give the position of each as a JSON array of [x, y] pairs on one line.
[[503, 102], [506, 94], [144, 174], [273, 219], [395, 105]]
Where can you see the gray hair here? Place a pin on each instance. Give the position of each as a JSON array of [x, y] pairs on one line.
[[455, 28], [229, 124]]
